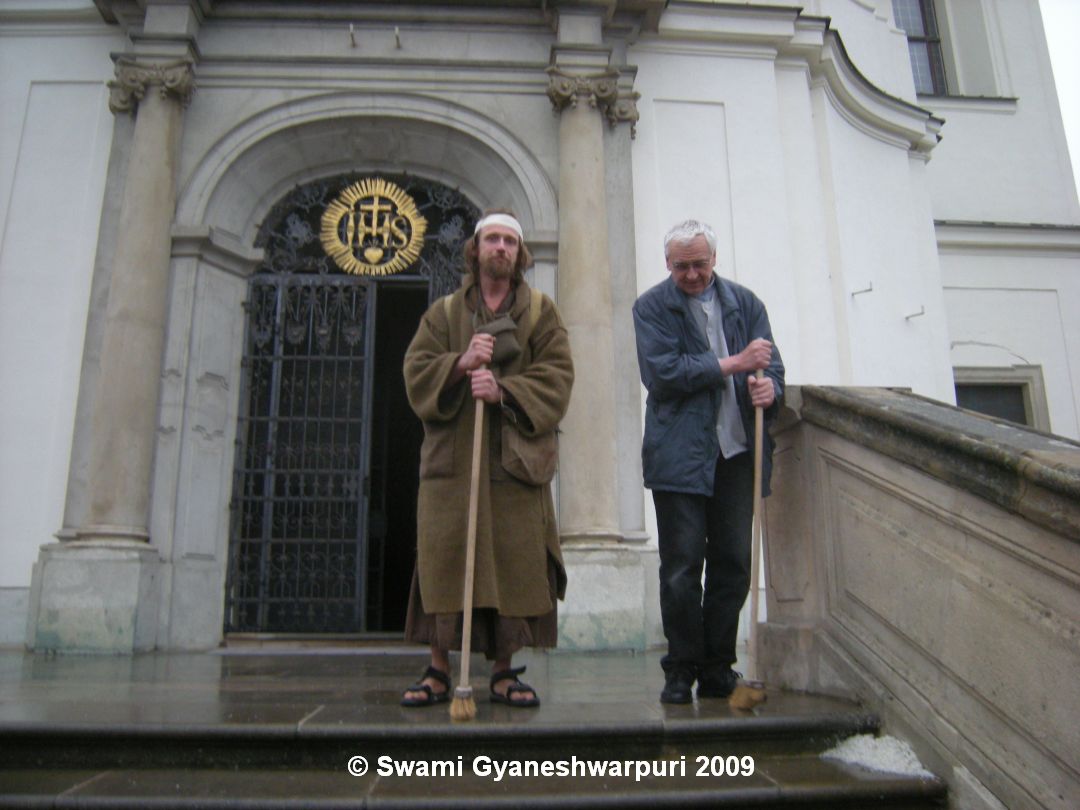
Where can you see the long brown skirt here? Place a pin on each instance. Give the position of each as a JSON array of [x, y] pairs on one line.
[[497, 637]]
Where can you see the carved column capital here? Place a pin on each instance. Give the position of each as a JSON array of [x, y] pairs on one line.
[[175, 80], [624, 108], [600, 90], [566, 89]]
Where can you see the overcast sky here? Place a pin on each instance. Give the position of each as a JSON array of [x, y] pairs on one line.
[[1062, 21]]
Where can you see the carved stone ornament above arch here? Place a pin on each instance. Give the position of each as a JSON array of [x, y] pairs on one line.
[[241, 176]]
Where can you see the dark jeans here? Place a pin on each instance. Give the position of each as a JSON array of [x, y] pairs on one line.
[[714, 532]]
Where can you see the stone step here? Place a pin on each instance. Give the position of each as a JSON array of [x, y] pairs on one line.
[[274, 731], [794, 724], [692, 757], [777, 783]]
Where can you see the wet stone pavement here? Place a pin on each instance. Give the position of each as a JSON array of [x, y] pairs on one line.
[[288, 727]]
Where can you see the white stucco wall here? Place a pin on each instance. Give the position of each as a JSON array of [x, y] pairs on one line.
[[1001, 173], [809, 202], [1006, 160], [54, 142], [895, 332], [1002, 161], [1013, 296]]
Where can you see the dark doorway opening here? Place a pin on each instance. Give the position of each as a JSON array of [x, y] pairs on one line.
[[396, 435], [323, 527]]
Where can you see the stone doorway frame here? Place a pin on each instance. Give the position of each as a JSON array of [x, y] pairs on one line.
[[221, 204]]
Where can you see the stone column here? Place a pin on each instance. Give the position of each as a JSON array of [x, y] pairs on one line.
[[588, 501], [96, 592], [612, 612], [125, 410]]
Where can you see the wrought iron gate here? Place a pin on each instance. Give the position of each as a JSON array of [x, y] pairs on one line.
[[298, 550], [296, 560]]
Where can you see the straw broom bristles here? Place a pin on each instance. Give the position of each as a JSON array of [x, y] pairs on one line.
[[462, 707]]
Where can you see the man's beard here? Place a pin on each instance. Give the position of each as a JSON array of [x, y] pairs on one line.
[[497, 267]]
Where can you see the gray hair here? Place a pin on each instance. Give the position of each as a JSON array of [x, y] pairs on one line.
[[686, 232]]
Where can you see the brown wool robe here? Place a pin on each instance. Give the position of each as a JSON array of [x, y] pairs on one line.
[[519, 568]]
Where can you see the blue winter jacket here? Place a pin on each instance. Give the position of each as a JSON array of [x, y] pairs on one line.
[[684, 382]]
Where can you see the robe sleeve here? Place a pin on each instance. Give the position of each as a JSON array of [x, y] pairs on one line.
[[429, 362], [541, 390]]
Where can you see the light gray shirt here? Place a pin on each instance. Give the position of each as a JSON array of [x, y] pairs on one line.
[[729, 425]]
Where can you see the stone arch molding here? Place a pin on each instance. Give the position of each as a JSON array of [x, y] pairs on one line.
[[260, 160]]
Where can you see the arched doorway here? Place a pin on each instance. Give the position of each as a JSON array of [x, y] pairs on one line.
[[322, 531]]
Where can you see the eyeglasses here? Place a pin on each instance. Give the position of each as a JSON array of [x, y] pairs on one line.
[[699, 265]]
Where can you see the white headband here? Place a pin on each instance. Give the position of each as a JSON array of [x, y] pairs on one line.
[[501, 219]]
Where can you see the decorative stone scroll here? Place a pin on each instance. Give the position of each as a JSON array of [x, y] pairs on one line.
[[175, 80], [599, 89], [624, 108]]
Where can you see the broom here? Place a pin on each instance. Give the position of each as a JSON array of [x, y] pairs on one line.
[[463, 707], [749, 692]]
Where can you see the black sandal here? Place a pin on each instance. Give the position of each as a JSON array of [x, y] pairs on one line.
[[516, 688], [431, 697]]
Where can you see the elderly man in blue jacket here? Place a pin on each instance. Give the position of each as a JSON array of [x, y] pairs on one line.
[[700, 338]]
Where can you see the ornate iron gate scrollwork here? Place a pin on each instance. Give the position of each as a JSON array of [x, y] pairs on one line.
[[298, 546]]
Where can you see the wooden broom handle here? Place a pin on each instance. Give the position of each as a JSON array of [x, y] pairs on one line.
[[755, 538], [470, 543]]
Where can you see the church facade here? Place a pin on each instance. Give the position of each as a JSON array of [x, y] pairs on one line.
[[222, 220]]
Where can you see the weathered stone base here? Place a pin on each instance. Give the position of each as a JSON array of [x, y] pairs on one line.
[[792, 658], [94, 597], [612, 600], [192, 602], [13, 607]]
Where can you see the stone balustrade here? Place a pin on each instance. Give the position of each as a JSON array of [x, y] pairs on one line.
[[927, 560]]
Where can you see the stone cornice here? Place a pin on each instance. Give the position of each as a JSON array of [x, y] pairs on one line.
[[490, 14], [174, 80], [48, 18], [130, 14], [222, 250], [1033, 474], [998, 236]]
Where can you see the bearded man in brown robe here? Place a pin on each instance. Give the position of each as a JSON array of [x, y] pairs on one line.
[[501, 345]]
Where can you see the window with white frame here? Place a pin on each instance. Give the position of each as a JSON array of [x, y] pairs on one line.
[[918, 20]]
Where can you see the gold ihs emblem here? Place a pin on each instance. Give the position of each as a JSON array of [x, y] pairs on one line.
[[373, 229]]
